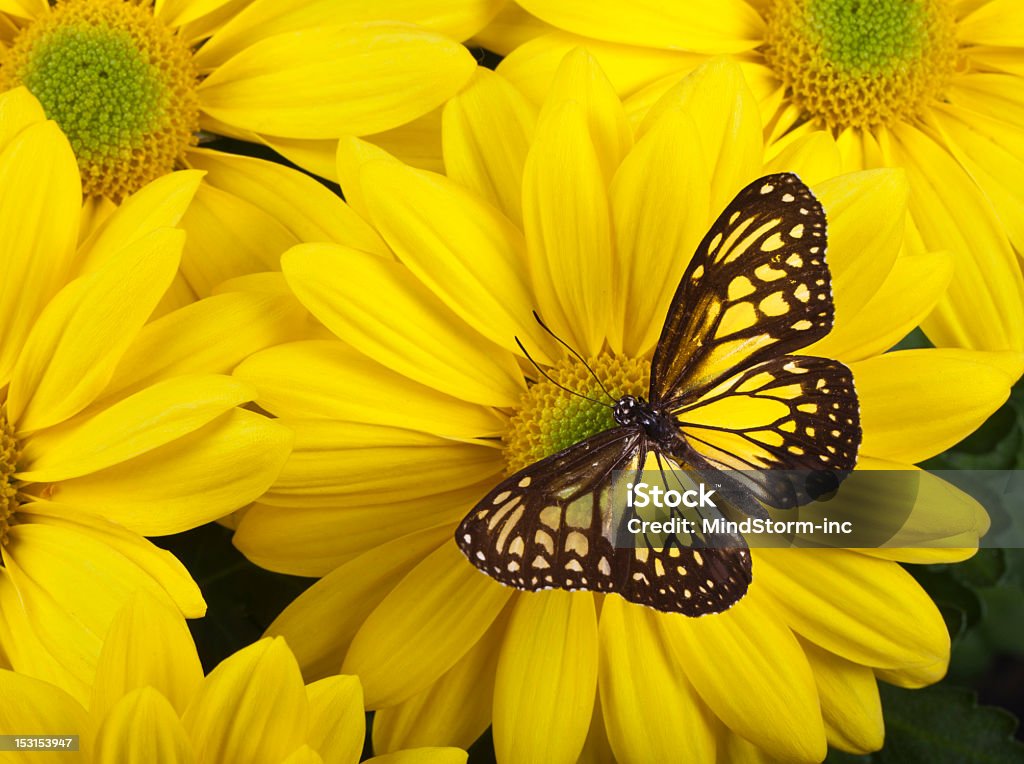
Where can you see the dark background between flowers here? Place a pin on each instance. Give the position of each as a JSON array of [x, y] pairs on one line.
[[970, 716]]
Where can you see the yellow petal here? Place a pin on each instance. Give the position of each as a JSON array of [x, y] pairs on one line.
[[992, 93], [660, 212], [465, 251], [136, 425], [531, 67], [230, 720], [304, 755], [33, 707], [597, 749], [416, 143], [352, 156], [814, 157], [423, 627], [337, 725], [159, 564], [80, 337], [904, 299], [849, 701], [579, 78], [568, 229], [823, 595], [313, 540], [509, 29], [176, 13], [705, 26], [455, 709], [192, 480], [324, 82], [18, 109], [210, 336], [998, 22], [159, 204], [778, 706], [265, 18], [423, 756], [307, 209], [984, 307], [638, 675], [547, 677], [915, 677], [487, 130], [142, 727], [147, 645], [229, 237], [40, 198], [317, 157], [320, 623], [728, 120], [27, 9], [326, 379], [339, 464], [917, 403], [382, 309]]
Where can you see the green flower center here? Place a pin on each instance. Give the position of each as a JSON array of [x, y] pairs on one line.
[[550, 419], [9, 453], [120, 85], [860, 63]]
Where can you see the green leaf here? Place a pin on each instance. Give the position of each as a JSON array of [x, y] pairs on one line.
[[945, 724]]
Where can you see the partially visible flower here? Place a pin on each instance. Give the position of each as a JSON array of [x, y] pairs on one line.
[[933, 86], [151, 704], [420, 405], [135, 84], [113, 426]]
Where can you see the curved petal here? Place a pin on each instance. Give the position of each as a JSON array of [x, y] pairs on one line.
[[547, 677], [328, 81], [417, 143], [18, 109], [423, 627], [84, 331], [814, 157], [380, 308], [704, 26], [30, 704], [337, 724], [327, 379], [998, 22], [229, 719], [778, 708], [917, 403], [638, 675], [142, 726], [509, 29], [192, 480], [40, 199], [423, 756], [486, 131], [320, 623]]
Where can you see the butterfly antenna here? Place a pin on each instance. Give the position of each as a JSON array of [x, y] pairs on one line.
[[572, 350], [552, 381]]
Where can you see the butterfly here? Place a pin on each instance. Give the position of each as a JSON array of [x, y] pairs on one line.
[[756, 291]]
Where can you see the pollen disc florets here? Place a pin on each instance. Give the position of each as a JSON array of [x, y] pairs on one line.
[[861, 63], [119, 83], [9, 453], [550, 419]]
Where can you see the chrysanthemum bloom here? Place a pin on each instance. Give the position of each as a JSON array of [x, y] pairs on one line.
[[112, 427], [151, 704], [132, 82], [422, 408], [933, 86]]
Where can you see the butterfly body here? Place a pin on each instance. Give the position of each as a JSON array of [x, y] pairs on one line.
[[756, 290]]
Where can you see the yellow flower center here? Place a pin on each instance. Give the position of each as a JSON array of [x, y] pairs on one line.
[[861, 63], [120, 85], [550, 419], [9, 453]]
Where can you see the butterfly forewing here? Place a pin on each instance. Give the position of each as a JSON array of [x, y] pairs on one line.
[[757, 287], [552, 525]]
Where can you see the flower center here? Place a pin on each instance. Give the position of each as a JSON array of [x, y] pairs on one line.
[[120, 85], [550, 419], [860, 63], [9, 453]]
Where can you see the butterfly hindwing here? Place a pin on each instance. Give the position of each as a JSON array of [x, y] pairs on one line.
[[551, 526], [757, 287]]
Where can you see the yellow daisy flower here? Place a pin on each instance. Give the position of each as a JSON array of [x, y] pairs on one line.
[[419, 407], [151, 703], [133, 82], [113, 426], [933, 86]]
